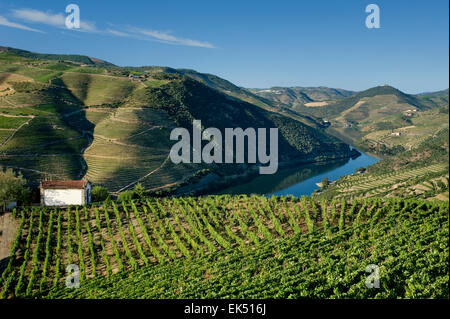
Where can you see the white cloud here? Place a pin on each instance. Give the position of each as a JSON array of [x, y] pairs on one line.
[[88, 26], [37, 16], [117, 33], [168, 38], [7, 23], [56, 20]]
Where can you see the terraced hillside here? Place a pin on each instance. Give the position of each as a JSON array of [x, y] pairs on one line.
[[421, 172], [232, 246], [380, 120], [427, 181], [383, 119], [416, 128], [64, 117]]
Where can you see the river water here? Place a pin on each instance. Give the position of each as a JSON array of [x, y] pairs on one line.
[[300, 180]]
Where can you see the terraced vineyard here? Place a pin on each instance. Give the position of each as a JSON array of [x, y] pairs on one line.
[[92, 120], [363, 185], [232, 246]]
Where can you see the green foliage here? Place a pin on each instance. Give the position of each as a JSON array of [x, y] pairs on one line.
[[27, 87], [325, 182], [12, 187], [58, 57], [138, 191], [99, 193], [328, 263], [432, 150], [125, 196], [216, 240]]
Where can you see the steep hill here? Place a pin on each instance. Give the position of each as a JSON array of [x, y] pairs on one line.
[[247, 95], [66, 119], [382, 118]]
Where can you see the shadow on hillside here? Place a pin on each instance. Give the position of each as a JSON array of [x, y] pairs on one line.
[[67, 138], [77, 121], [4, 76]]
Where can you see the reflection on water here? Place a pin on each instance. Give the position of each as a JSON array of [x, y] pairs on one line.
[[300, 180]]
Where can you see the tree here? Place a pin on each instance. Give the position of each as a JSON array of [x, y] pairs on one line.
[[12, 187], [325, 182], [99, 194]]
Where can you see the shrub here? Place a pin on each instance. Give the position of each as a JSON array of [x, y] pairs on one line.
[[126, 196], [99, 194], [139, 191], [12, 187]]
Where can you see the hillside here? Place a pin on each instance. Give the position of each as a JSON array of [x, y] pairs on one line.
[[335, 108], [297, 96], [243, 94], [439, 98], [63, 118], [383, 119], [57, 57], [434, 94], [233, 247], [419, 173]]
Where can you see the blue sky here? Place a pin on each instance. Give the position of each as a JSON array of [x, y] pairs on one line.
[[251, 43]]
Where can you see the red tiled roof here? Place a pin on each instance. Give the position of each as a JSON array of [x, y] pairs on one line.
[[79, 184]]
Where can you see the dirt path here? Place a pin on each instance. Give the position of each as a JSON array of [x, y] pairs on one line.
[[14, 133], [144, 131], [9, 102], [33, 170], [145, 176], [11, 115], [354, 107], [8, 229]]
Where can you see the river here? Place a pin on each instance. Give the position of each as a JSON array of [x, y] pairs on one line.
[[300, 180]]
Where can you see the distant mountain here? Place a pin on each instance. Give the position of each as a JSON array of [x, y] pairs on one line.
[[436, 93], [295, 96], [335, 108], [438, 98], [383, 119], [247, 95], [65, 118]]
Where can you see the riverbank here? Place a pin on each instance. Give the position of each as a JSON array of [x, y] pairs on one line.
[[301, 179], [214, 184]]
